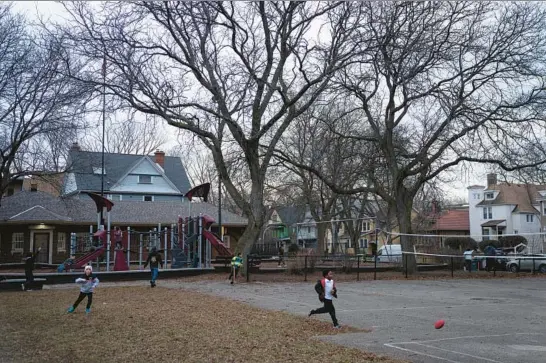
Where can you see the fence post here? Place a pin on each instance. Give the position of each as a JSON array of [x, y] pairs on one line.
[[406, 263], [375, 267], [452, 267], [129, 247], [305, 269], [247, 268], [358, 268]]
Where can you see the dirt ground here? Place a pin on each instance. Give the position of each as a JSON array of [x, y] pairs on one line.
[[140, 324]]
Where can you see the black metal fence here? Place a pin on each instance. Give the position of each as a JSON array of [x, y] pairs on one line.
[[350, 267]]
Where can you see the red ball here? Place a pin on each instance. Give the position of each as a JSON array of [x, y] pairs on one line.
[[439, 324]]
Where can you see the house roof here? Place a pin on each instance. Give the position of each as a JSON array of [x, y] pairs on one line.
[[522, 196], [452, 220], [291, 214], [116, 166], [493, 223], [43, 207]]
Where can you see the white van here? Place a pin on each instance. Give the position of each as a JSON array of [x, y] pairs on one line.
[[389, 253]]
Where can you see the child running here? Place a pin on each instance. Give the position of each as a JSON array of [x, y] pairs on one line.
[[326, 289], [154, 259], [88, 283]]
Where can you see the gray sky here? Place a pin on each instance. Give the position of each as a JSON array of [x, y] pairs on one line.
[[54, 11]]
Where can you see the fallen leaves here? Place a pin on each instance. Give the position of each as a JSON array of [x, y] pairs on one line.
[[140, 324]]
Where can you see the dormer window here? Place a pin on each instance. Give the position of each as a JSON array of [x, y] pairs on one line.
[[145, 179], [489, 195]]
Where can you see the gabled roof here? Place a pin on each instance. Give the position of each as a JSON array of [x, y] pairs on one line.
[[452, 220], [38, 213], [522, 196], [37, 206], [157, 168], [291, 214], [116, 166]]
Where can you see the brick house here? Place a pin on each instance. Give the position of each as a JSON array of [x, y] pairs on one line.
[[32, 219], [147, 192]]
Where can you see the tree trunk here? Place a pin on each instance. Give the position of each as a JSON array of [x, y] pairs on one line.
[[404, 204], [256, 221], [321, 238]]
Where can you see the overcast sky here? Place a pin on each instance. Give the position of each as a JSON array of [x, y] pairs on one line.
[[54, 10]]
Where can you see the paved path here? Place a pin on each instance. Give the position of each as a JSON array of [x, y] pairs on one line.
[[497, 321]]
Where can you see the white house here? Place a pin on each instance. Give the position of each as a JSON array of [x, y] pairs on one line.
[[506, 208]]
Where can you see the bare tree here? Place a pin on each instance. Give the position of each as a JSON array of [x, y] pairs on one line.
[[233, 73], [443, 83], [200, 168], [314, 140], [125, 134], [39, 106]]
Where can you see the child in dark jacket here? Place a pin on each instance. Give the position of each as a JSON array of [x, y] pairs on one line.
[[154, 259], [30, 259], [326, 289], [88, 283]]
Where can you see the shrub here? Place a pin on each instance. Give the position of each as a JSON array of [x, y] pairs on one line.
[[511, 241], [460, 243], [296, 264], [293, 249], [491, 242], [347, 264]]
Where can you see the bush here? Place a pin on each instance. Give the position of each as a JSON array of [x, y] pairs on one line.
[[296, 264], [460, 243], [293, 249], [511, 241], [490, 242], [347, 264]]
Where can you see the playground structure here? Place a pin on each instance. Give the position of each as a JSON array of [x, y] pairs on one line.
[[193, 241], [186, 244]]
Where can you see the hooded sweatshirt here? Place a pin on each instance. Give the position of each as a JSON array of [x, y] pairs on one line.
[[88, 283], [154, 259]]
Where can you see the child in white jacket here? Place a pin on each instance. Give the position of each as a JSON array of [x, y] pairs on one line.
[[88, 283]]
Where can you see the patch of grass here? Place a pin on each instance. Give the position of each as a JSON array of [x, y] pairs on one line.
[[140, 324]]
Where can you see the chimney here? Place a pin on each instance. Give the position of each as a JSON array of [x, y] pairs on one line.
[[160, 158], [75, 146], [491, 179]]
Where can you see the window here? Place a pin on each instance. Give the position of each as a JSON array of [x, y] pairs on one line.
[[17, 242], [487, 213], [308, 229], [61, 242], [489, 195], [477, 196], [529, 218], [148, 198], [84, 241], [114, 197], [515, 231], [33, 187], [485, 232], [363, 243], [365, 226], [145, 179], [98, 170]]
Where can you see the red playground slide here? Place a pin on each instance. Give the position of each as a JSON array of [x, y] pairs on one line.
[[120, 262], [90, 256], [216, 243]]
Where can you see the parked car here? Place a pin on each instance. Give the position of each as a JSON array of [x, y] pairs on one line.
[[389, 253], [525, 263]]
